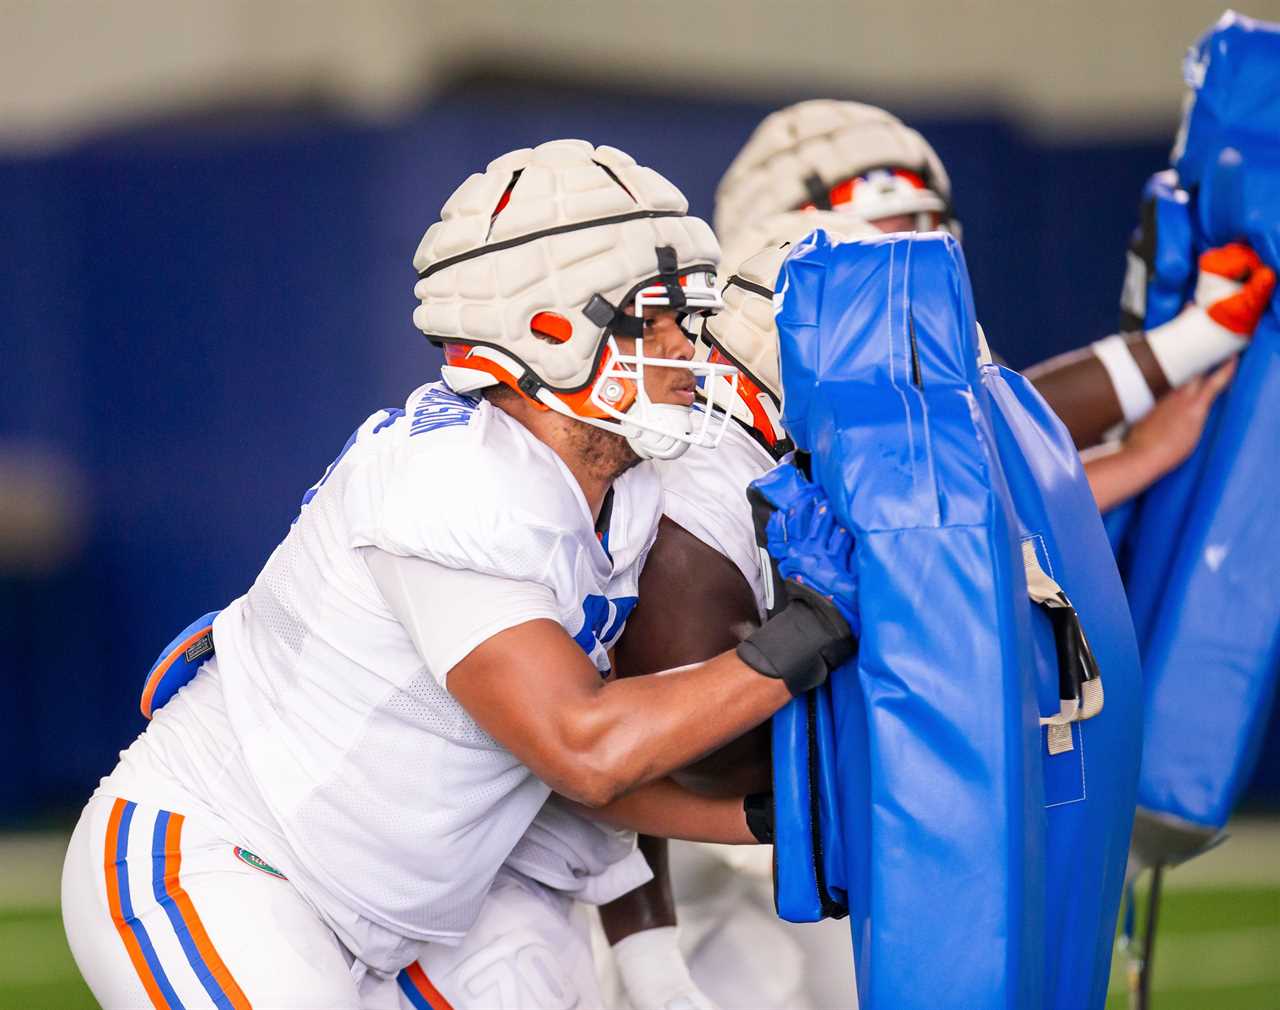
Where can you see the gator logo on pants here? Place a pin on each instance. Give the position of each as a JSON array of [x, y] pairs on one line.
[[257, 862]]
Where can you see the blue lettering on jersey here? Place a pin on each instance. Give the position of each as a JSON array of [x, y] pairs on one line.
[[441, 408], [393, 415], [602, 620]]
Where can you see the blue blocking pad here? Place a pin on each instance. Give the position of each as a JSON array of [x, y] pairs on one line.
[[807, 823], [1199, 551], [798, 882], [1090, 789], [1233, 72], [1211, 627], [178, 663], [979, 869], [1173, 269]]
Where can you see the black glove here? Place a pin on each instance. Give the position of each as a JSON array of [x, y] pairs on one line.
[[802, 643], [758, 808]]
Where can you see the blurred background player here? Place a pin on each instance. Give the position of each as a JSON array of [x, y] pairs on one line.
[[862, 160], [357, 782]]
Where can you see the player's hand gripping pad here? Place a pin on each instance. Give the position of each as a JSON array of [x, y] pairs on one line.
[[1203, 546], [942, 771]]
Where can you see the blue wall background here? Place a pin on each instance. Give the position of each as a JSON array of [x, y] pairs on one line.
[[198, 312]]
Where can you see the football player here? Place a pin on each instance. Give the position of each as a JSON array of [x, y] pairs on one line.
[[358, 786], [702, 591], [863, 161]]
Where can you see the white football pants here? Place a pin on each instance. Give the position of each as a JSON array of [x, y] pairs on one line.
[[738, 950], [162, 911]]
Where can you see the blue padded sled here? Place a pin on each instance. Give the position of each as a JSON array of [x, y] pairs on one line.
[[1201, 554], [981, 870]]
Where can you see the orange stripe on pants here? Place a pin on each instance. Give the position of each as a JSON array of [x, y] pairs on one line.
[[423, 984], [199, 935], [110, 865]]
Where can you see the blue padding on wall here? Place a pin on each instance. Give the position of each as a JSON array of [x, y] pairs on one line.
[[196, 311]]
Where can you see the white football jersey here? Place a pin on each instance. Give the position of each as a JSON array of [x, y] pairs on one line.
[[330, 744], [705, 492]]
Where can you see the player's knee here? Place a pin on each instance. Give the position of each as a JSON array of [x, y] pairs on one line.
[[517, 971]]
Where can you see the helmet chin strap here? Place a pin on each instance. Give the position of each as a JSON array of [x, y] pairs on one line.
[[654, 430], [665, 435]]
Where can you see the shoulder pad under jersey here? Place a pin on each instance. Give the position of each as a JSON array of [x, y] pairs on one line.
[[465, 486]]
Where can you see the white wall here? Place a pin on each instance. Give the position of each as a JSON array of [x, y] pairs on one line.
[[1067, 66]]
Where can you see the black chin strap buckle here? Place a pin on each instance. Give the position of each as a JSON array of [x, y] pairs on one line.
[[529, 384]]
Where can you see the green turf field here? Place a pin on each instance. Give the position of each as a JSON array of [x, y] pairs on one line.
[[1218, 944]]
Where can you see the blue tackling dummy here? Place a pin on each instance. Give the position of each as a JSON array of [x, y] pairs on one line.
[[1200, 551], [963, 789]]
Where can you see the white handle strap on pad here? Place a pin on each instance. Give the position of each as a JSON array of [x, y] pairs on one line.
[[1045, 592]]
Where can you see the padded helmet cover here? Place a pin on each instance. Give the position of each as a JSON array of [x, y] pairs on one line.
[[833, 140], [535, 232]]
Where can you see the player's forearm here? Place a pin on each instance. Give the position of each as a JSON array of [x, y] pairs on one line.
[[532, 689], [739, 767], [1078, 389], [1117, 474], [666, 810], [1081, 392], [643, 728]]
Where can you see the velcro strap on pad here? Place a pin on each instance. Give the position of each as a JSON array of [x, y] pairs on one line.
[[1079, 680]]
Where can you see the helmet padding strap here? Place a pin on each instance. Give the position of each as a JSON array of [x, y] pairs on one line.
[[614, 318], [668, 275], [609, 317]]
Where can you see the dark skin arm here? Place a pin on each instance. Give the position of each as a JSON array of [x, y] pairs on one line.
[[1157, 443], [694, 603], [535, 692], [1079, 389]]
